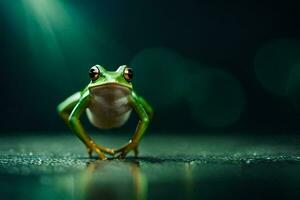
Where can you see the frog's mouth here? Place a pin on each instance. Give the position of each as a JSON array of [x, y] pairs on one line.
[[111, 90]]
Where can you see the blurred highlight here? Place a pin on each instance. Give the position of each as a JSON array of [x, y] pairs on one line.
[[216, 98], [273, 64]]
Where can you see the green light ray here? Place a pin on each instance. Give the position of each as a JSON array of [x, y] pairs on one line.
[[64, 42]]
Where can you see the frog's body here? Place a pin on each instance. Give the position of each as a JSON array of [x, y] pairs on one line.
[[108, 101], [109, 107]]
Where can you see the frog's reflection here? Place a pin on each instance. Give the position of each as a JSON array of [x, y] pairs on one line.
[[112, 180]]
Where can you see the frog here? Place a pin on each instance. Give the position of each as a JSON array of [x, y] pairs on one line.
[[108, 100]]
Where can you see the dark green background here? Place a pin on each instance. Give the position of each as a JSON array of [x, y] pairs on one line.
[[208, 67], [204, 65]]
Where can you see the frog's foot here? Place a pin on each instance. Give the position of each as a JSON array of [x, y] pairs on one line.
[[97, 151], [131, 146], [106, 150], [92, 147]]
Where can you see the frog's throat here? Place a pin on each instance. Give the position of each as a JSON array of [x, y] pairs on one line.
[[110, 86]]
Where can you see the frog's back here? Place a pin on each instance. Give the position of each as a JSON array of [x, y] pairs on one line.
[[109, 106]]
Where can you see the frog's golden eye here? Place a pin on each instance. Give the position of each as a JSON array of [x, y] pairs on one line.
[[128, 74], [94, 73]]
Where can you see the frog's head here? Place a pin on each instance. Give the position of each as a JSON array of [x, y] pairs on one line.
[[100, 77]]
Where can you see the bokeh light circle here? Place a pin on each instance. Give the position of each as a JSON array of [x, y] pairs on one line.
[[273, 63], [159, 76], [216, 98]]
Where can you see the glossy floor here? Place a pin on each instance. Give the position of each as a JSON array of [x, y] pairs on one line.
[[173, 167]]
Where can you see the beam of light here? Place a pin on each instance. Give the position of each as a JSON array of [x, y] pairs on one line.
[[45, 20], [42, 19], [64, 41]]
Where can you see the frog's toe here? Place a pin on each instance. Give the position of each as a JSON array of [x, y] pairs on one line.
[[97, 151], [100, 154], [111, 152], [107, 150], [125, 150]]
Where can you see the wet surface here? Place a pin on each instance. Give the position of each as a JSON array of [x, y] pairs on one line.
[[33, 166]]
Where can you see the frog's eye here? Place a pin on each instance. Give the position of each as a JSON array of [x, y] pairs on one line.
[[94, 73], [128, 74]]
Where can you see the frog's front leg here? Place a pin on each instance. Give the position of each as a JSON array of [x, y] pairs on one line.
[[65, 108], [145, 113], [70, 110]]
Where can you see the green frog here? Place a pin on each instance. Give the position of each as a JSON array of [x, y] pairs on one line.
[[108, 101]]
